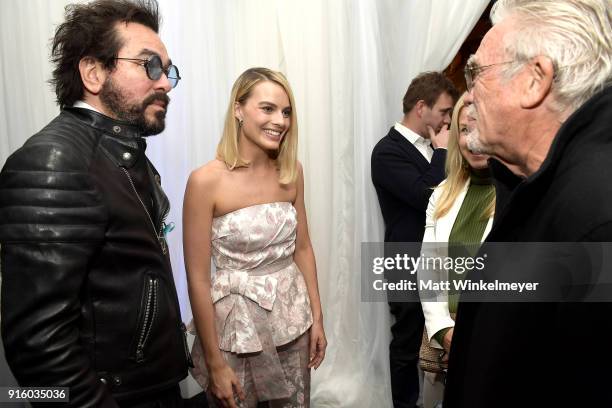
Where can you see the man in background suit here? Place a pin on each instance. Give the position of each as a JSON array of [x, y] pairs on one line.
[[406, 164]]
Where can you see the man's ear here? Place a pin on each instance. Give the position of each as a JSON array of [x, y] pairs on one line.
[[93, 74], [420, 106], [538, 83]]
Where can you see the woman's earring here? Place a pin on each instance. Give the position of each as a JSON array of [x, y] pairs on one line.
[[240, 122]]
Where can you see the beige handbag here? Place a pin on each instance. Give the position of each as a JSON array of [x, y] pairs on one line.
[[430, 358]]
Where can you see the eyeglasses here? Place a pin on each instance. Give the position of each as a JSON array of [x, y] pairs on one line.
[[472, 70], [154, 67]]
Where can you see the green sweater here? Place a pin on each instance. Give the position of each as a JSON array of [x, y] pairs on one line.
[[469, 226]]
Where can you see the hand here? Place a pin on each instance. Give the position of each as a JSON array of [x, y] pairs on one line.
[[444, 358], [318, 344], [439, 139], [446, 341], [224, 385]]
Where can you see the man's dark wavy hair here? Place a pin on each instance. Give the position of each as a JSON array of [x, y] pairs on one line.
[[89, 31]]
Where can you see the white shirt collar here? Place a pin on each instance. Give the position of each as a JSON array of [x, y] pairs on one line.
[[84, 105], [420, 143], [412, 137]]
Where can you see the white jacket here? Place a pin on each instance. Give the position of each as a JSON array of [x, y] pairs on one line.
[[437, 316]]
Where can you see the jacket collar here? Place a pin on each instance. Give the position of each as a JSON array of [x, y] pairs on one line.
[[105, 124], [584, 127], [585, 120], [123, 144], [121, 141]]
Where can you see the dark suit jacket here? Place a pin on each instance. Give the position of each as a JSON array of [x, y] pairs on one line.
[[404, 180]]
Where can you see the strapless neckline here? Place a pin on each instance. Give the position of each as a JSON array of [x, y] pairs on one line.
[[251, 207]]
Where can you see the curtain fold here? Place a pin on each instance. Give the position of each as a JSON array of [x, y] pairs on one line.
[[349, 63]]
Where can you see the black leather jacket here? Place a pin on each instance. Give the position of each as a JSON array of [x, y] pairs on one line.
[[88, 296]]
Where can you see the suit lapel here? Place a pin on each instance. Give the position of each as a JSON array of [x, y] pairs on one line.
[[407, 147]]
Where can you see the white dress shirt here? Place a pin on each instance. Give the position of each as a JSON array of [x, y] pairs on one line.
[[84, 105], [423, 145]]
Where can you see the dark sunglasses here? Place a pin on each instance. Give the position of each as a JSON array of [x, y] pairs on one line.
[[154, 67]]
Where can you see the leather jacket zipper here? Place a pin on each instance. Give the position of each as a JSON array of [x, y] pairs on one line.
[[159, 233], [185, 346], [150, 313], [161, 238]]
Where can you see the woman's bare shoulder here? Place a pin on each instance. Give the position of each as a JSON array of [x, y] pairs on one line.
[[209, 175]]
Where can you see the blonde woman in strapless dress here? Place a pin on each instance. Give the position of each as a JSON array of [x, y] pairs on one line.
[[258, 314]]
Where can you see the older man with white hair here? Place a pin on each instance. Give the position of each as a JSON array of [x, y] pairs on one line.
[[540, 88]]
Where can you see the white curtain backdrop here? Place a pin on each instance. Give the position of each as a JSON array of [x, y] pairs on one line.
[[349, 63]]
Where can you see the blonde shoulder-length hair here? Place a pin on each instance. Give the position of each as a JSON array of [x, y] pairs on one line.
[[457, 169], [227, 150]]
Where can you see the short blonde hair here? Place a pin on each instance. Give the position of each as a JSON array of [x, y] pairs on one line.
[[227, 150], [457, 169]]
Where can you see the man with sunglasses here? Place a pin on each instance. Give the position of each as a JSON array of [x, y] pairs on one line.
[[88, 296]]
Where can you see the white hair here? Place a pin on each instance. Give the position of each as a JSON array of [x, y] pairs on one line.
[[575, 34]]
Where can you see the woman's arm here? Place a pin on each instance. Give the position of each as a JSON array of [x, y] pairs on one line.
[[305, 260], [198, 207], [435, 310]]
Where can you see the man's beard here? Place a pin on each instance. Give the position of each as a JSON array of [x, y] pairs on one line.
[[474, 143], [114, 99]]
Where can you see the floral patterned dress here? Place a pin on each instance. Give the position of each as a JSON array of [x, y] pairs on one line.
[[262, 309]]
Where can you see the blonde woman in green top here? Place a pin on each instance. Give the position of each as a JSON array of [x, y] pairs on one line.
[[459, 217]]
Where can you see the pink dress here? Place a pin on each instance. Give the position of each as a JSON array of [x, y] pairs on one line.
[[261, 303]]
